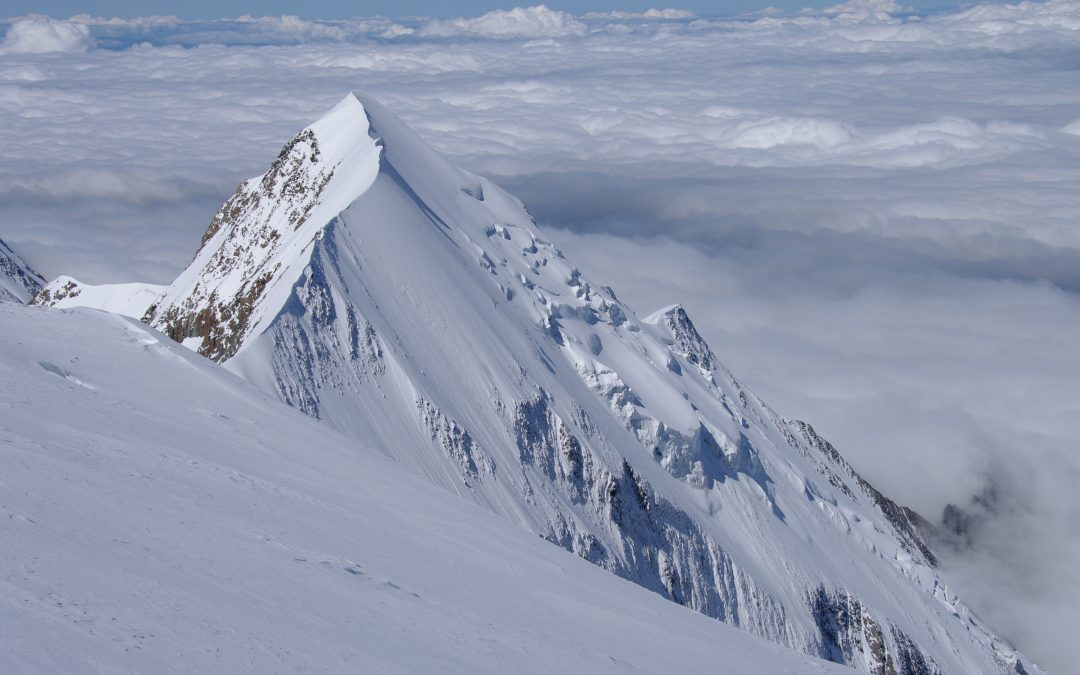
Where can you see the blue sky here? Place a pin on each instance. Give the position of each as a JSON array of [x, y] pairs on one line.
[[332, 9]]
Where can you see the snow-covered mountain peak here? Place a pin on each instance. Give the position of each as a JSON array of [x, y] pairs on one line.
[[129, 300], [264, 233], [407, 303], [264, 230], [409, 156]]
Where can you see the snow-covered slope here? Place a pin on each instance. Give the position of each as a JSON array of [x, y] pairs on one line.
[[171, 518], [18, 282], [126, 299], [417, 308]]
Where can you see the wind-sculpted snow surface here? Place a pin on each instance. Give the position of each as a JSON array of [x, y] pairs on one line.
[[175, 519], [18, 281], [417, 307]]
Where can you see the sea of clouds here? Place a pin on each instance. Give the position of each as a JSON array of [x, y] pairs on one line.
[[872, 214]]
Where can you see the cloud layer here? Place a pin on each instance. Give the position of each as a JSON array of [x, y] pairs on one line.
[[39, 35], [871, 213], [520, 22]]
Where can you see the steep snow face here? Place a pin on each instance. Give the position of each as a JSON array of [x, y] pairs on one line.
[[418, 308], [130, 300], [173, 518], [18, 281]]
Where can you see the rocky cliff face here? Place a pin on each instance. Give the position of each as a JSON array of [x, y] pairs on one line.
[[18, 281], [410, 304]]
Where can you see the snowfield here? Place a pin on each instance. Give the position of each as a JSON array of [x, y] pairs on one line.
[[160, 515]]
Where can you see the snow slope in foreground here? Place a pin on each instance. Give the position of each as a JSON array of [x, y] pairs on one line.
[[160, 515]]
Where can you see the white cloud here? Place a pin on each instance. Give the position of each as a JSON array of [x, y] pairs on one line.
[[24, 73], [528, 22], [244, 30], [302, 30], [654, 14], [873, 220], [668, 13], [38, 35], [864, 10], [139, 23], [770, 132]]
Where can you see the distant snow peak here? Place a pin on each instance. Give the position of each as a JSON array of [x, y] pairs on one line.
[[131, 300], [417, 308]]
